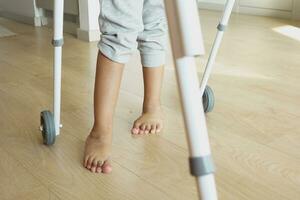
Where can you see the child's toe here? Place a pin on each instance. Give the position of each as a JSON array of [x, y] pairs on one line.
[[135, 131], [136, 128], [99, 165], [85, 161], [153, 129], [147, 129], [89, 162], [142, 129], [94, 166], [106, 167], [98, 169], [158, 128], [136, 124]]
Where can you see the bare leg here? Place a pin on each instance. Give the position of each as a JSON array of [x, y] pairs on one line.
[[99, 141], [151, 120]]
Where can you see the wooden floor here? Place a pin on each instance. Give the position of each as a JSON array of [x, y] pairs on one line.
[[254, 129]]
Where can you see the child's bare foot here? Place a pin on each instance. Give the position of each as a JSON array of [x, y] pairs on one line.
[[97, 151], [151, 121]]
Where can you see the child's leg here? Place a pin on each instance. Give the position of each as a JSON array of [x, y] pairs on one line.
[[152, 45], [98, 143], [151, 120], [120, 21]]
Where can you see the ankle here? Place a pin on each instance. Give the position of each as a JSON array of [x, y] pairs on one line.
[[101, 129], [151, 106]]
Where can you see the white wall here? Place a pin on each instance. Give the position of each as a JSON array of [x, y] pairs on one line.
[[278, 8], [296, 12], [213, 1], [269, 4], [26, 11], [214, 4], [88, 16], [19, 7], [21, 10]]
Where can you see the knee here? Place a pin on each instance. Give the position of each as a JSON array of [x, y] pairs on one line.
[[118, 47], [152, 46]]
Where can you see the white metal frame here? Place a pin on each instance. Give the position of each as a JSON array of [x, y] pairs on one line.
[[58, 36], [186, 39], [223, 23]]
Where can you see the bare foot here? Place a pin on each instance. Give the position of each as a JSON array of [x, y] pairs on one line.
[[151, 121], [97, 152]]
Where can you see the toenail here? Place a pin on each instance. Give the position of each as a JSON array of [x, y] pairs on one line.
[[98, 169], [135, 131]]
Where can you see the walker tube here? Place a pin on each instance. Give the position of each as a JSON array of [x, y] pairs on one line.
[[57, 41], [217, 44], [186, 39], [185, 29], [195, 122]]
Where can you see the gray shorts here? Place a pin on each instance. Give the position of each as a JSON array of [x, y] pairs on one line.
[[127, 25]]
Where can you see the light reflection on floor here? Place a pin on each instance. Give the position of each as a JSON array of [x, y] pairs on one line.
[[289, 31]]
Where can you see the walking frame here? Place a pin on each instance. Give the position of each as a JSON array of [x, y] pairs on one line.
[[187, 44]]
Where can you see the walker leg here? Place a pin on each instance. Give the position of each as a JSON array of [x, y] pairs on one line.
[[221, 28], [49, 123], [201, 164], [57, 43], [183, 39]]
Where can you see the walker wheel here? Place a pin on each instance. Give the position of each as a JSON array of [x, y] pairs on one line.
[[48, 128], [208, 100]]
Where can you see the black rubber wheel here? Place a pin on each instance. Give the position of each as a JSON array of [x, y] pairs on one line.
[[48, 128], [208, 100]]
